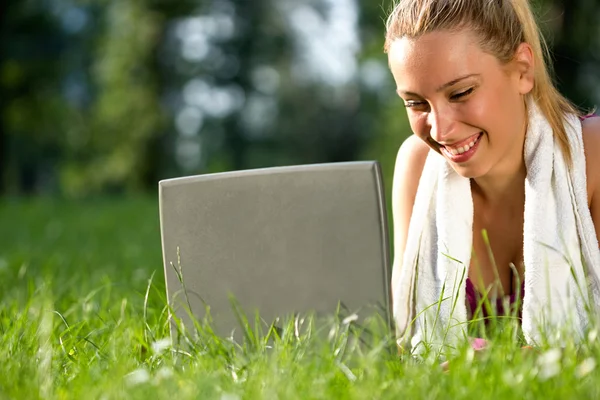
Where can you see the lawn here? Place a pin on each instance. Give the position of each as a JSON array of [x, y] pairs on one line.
[[83, 316]]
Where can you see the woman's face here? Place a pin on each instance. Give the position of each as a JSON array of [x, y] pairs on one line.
[[462, 101]]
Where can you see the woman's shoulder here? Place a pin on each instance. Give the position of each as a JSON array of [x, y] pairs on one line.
[[407, 174], [411, 160], [591, 138], [415, 149], [591, 147], [590, 125]]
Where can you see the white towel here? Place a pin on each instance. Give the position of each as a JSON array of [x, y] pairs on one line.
[[558, 227]]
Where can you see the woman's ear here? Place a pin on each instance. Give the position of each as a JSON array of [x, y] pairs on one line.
[[525, 68]]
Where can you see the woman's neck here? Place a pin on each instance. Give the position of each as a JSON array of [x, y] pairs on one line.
[[506, 183]]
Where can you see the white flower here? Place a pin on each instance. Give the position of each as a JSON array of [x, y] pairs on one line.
[[137, 377], [163, 373], [552, 356], [511, 379], [350, 318], [592, 336], [585, 367], [161, 345], [549, 363], [549, 371]]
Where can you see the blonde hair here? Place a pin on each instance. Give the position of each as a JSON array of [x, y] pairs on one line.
[[501, 26]]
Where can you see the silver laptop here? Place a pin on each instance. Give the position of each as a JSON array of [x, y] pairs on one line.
[[280, 241]]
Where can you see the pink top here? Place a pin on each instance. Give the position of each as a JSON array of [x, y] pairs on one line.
[[474, 300], [587, 116]]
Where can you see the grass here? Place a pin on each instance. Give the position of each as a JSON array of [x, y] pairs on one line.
[[83, 315]]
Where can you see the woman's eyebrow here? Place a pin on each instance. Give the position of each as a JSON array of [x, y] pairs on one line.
[[455, 81], [440, 88]]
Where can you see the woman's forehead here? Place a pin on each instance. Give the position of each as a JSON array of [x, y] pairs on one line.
[[435, 58]]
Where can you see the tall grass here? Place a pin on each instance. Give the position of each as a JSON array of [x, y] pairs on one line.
[[83, 315]]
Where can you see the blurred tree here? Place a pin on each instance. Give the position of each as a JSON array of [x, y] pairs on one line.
[[572, 30], [111, 150], [258, 100], [112, 95], [386, 117], [31, 110], [321, 101]]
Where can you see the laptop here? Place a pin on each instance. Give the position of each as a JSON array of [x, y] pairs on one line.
[[277, 242]]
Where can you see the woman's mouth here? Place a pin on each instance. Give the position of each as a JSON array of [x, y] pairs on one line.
[[463, 151]]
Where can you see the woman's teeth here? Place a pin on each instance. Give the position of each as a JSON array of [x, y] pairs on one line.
[[462, 149]]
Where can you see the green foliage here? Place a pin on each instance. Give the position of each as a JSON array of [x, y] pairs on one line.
[[91, 91], [93, 142], [111, 151]]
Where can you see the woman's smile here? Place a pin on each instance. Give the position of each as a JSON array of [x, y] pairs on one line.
[[462, 151]]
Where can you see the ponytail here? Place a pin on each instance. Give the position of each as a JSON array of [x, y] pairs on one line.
[[551, 102]]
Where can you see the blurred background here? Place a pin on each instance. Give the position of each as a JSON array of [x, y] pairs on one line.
[[106, 97]]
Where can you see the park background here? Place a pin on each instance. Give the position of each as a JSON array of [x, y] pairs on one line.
[[101, 99]]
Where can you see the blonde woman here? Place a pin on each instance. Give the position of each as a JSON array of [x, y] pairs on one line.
[[497, 193]]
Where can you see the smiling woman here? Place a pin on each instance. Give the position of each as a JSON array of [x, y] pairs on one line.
[[497, 161], [445, 78]]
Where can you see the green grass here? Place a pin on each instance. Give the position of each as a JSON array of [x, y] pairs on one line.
[[79, 319]]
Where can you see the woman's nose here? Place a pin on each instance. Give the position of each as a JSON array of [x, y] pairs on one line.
[[440, 125]]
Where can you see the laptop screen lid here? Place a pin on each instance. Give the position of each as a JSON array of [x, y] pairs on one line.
[[280, 240]]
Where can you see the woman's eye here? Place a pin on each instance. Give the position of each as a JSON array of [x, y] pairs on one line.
[[414, 104], [462, 94]]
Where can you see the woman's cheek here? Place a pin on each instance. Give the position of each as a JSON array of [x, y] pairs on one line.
[[477, 112], [418, 124]]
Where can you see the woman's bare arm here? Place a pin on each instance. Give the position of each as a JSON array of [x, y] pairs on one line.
[[409, 166], [591, 144]]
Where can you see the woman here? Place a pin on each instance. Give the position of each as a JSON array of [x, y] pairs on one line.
[[498, 190]]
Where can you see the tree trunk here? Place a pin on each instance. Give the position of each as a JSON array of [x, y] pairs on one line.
[[3, 139]]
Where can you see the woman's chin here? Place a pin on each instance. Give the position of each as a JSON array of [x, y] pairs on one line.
[[471, 171], [473, 166]]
